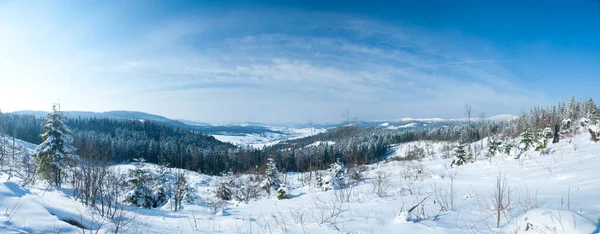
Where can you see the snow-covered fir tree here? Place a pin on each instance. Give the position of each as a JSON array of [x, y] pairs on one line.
[[335, 178], [527, 140], [461, 156], [282, 193], [541, 140], [572, 108], [55, 153], [224, 191], [271, 176], [141, 181], [162, 188], [592, 111], [493, 146]]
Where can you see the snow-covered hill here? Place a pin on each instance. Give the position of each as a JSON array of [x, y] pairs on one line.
[[260, 140], [555, 193]]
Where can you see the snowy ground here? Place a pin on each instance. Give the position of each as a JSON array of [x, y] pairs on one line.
[[259, 141], [556, 193]]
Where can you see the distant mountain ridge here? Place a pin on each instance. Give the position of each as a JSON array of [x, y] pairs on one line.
[[260, 128], [206, 128]]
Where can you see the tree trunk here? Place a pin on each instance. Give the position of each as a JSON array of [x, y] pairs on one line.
[[556, 136]]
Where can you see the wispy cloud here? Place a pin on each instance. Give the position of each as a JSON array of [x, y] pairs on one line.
[[321, 63]]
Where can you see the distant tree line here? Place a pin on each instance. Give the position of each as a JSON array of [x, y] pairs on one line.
[[125, 140]]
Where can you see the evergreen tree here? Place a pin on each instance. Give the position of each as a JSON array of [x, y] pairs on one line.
[[460, 155], [224, 191], [493, 146], [55, 153], [541, 140], [282, 193], [140, 182], [271, 176], [336, 177], [592, 111], [527, 139], [572, 112]]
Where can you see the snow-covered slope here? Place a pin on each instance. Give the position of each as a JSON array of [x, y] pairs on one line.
[[555, 193], [260, 140]]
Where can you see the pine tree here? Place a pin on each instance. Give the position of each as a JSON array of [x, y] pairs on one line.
[[572, 112], [493, 146], [282, 193], [527, 139], [271, 176], [224, 191], [592, 111], [55, 153], [460, 155], [336, 177], [140, 181]]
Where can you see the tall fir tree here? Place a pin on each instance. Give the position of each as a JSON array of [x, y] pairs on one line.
[[592, 111], [271, 176], [55, 153], [572, 109]]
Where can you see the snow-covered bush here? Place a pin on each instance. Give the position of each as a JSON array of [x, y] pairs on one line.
[[157, 188], [335, 178], [249, 188], [584, 122], [216, 205], [547, 133], [224, 191], [566, 124], [162, 188], [282, 193], [414, 153], [356, 173], [594, 132], [140, 181]]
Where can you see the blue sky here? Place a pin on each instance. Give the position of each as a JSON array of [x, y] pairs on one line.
[[285, 61]]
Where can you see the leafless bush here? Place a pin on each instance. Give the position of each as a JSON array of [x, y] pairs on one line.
[[356, 173], [327, 211], [414, 153], [415, 213], [344, 194], [451, 173], [447, 150], [123, 220], [527, 200], [12, 211], [441, 197], [298, 217], [410, 174], [381, 183], [281, 221], [501, 198], [217, 204], [249, 188], [194, 222]]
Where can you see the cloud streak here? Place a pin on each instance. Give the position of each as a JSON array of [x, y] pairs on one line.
[[306, 66]]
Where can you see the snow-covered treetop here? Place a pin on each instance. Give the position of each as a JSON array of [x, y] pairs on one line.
[[57, 137]]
